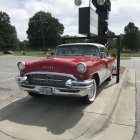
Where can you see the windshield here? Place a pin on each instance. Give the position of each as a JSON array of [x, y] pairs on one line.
[[77, 50]]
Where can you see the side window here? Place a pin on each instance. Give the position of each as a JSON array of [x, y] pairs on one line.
[[94, 51], [104, 50]]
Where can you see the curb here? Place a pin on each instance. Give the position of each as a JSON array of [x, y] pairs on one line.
[[103, 120]]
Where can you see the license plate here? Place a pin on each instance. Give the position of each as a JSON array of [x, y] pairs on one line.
[[45, 91]]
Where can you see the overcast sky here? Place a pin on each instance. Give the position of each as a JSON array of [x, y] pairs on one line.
[[122, 12]]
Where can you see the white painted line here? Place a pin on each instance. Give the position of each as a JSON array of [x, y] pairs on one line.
[[138, 81], [8, 72], [7, 80]]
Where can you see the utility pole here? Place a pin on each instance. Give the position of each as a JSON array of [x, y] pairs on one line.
[[42, 33], [44, 46]]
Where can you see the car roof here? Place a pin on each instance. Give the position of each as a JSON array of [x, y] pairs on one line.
[[92, 44]]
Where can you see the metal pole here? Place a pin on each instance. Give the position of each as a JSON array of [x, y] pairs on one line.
[[43, 37], [118, 59]]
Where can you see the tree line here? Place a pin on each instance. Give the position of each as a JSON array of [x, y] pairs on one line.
[[45, 31]]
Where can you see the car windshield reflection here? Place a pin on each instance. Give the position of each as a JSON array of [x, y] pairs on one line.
[[77, 50]]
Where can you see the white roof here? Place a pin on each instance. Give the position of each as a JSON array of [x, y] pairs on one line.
[[92, 44]]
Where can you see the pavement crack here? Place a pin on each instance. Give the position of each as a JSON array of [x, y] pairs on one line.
[[123, 124], [11, 136]]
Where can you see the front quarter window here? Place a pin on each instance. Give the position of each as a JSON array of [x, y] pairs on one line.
[[104, 51], [63, 51]]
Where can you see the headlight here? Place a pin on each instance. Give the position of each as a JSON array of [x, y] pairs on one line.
[[21, 65], [81, 67]]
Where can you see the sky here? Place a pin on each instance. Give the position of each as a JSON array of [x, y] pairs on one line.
[[122, 12]]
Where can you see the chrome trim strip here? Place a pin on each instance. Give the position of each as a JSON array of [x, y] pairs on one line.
[[58, 91], [70, 84], [73, 87], [47, 79], [83, 83], [53, 73]]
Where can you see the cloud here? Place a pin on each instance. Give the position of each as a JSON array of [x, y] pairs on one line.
[[122, 12]]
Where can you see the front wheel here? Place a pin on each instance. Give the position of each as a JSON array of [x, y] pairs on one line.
[[90, 97]]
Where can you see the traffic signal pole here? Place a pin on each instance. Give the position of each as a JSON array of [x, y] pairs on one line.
[[103, 7], [118, 58]]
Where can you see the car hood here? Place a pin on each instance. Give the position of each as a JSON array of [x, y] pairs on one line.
[[62, 64]]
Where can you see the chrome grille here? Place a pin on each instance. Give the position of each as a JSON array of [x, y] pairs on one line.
[[53, 80]]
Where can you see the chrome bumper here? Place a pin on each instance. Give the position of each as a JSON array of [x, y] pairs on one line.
[[72, 88]]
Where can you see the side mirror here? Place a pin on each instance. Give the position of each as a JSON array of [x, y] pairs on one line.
[[102, 55], [49, 55]]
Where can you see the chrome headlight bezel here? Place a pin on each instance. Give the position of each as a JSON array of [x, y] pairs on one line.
[[81, 67], [21, 65]]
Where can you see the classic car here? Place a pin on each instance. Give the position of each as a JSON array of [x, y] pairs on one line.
[[76, 69]]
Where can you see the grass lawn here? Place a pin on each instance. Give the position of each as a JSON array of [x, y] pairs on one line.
[[1, 53], [131, 54], [41, 54], [31, 53]]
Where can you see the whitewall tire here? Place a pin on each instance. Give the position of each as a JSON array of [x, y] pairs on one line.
[[90, 97]]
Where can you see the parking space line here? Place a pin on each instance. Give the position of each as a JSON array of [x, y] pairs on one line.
[[7, 72], [138, 81], [7, 80]]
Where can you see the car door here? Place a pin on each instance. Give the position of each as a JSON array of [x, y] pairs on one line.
[[108, 63]]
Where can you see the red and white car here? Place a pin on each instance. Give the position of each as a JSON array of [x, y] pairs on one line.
[[75, 70]]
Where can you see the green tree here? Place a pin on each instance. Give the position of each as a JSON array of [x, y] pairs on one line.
[[8, 35], [73, 39], [24, 45], [111, 41], [44, 31], [131, 37]]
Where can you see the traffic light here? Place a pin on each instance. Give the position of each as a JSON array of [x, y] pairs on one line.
[[106, 4], [103, 28], [102, 9]]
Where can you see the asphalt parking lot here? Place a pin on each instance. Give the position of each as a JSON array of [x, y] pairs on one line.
[[8, 72], [55, 118]]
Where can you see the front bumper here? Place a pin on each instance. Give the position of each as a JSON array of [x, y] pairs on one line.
[[72, 87]]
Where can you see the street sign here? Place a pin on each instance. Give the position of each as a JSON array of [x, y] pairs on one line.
[[88, 21]]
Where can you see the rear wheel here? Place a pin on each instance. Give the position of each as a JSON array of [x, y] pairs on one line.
[[90, 97], [33, 94], [109, 78]]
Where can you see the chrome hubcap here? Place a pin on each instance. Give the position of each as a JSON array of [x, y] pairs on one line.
[[91, 92]]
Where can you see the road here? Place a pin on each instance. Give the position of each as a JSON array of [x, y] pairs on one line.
[[134, 63], [8, 72], [51, 117]]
